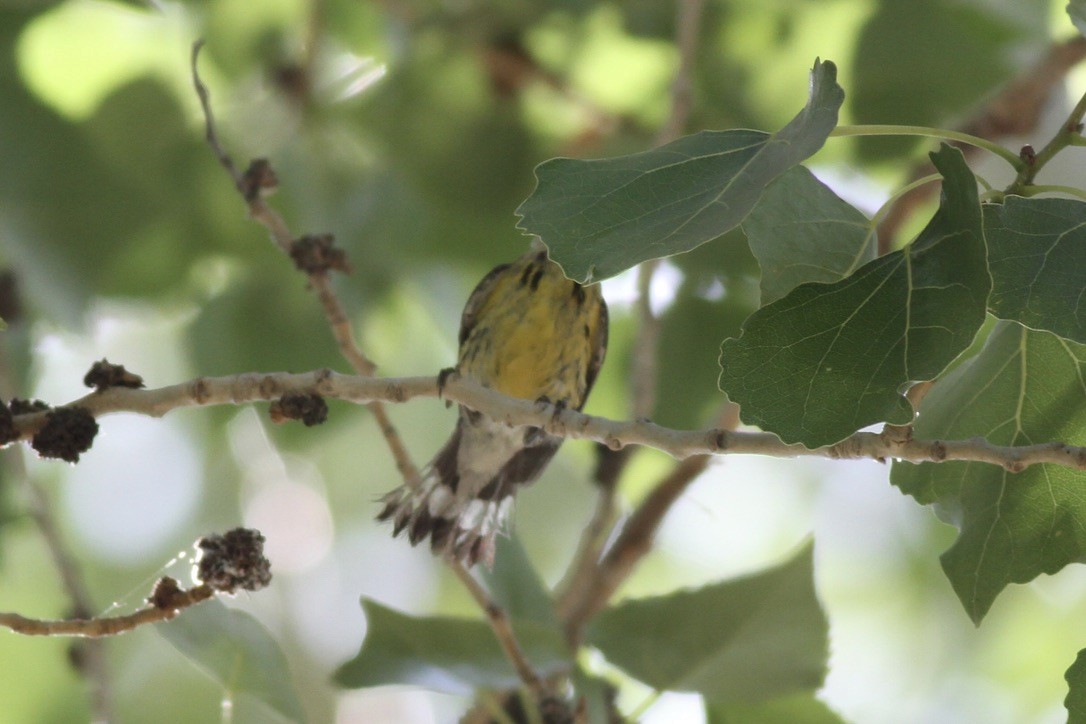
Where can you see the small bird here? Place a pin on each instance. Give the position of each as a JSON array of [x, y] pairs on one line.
[[528, 332]]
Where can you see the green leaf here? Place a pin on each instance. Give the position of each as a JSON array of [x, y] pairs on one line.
[[235, 650], [1023, 388], [1076, 690], [828, 359], [601, 217], [1077, 10], [452, 655], [801, 231], [746, 640], [930, 62], [795, 709], [516, 586], [686, 374], [1036, 253], [597, 694]]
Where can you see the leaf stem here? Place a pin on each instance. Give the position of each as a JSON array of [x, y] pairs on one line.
[[1053, 189], [890, 130], [1070, 134]]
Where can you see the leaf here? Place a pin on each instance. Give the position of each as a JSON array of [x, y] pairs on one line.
[[1077, 10], [597, 695], [801, 231], [1036, 253], [828, 359], [516, 586], [795, 709], [601, 217], [746, 640], [930, 62], [1076, 694], [452, 655], [1023, 388], [235, 650]]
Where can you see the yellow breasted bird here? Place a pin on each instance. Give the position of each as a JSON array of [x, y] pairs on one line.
[[528, 332]]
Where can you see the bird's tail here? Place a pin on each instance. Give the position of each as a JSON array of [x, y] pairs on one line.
[[463, 529]]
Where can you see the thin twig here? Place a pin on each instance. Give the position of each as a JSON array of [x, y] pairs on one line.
[[591, 545], [93, 664], [319, 281], [502, 627], [630, 547], [583, 601], [107, 626], [688, 15], [344, 336]]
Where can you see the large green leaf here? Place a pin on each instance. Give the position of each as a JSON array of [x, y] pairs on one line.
[[601, 217], [747, 640], [236, 651], [1076, 690], [1023, 388], [929, 62], [1037, 254], [453, 655], [801, 231], [829, 359], [796, 709]]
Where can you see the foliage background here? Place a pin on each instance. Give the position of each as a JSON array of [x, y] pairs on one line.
[[410, 130]]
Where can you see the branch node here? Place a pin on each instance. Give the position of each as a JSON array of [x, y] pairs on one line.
[[1014, 466], [717, 440], [323, 380], [201, 391], [317, 254], [268, 386], [938, 451], [258, 180], [167, 595]]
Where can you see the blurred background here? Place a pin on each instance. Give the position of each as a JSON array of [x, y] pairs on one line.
[[409, 130]]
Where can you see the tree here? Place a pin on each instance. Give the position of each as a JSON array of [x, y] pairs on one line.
[[887, 298]]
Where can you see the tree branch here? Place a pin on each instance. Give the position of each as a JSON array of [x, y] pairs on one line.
[[252, 186], [109, 626], [630, 547], [503, 629], [564, 422]]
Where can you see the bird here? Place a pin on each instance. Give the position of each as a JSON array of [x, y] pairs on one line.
[[528, 332]]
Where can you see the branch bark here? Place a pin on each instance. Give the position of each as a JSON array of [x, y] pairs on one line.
[[615, 434]]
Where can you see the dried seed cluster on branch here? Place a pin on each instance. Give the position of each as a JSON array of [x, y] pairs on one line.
[[310, 409], [68, 432], [103, 375], [233, 560]]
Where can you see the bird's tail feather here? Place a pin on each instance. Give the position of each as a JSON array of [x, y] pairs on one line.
[[459, 527], [464, 530]]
